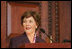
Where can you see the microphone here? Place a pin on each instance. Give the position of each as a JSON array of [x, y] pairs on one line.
[[66, 40], [43, 31]]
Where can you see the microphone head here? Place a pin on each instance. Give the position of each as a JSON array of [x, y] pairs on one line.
[[42, 30]]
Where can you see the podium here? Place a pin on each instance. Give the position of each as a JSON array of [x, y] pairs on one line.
[[46, 45]]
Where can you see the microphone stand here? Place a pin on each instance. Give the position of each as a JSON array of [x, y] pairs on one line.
[[43, 31], [50, 38]]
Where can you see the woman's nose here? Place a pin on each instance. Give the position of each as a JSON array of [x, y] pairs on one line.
[[27, 23]]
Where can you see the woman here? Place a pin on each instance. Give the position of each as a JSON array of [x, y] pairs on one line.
[[30, 21]]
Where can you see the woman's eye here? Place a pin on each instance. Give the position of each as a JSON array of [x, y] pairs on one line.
[[24, 21], [30, 21]]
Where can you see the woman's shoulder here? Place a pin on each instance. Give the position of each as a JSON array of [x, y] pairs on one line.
[[18, 40], [18, 37], [40, 40]]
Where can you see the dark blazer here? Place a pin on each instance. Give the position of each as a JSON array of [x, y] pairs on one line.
[[19, 40]]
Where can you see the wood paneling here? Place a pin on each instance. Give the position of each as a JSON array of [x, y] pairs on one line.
[[65, 20], [3, 24]]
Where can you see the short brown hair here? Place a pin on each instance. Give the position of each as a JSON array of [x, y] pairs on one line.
[[34, 14]]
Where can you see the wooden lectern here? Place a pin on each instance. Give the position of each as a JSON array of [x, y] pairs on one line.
[[46, 45]]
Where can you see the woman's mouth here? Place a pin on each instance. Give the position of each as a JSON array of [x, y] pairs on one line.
[[27, 28]]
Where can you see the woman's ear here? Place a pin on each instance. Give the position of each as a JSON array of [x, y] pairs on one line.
[[36, 27]]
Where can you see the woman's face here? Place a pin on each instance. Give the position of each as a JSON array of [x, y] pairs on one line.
[[29, 25]]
